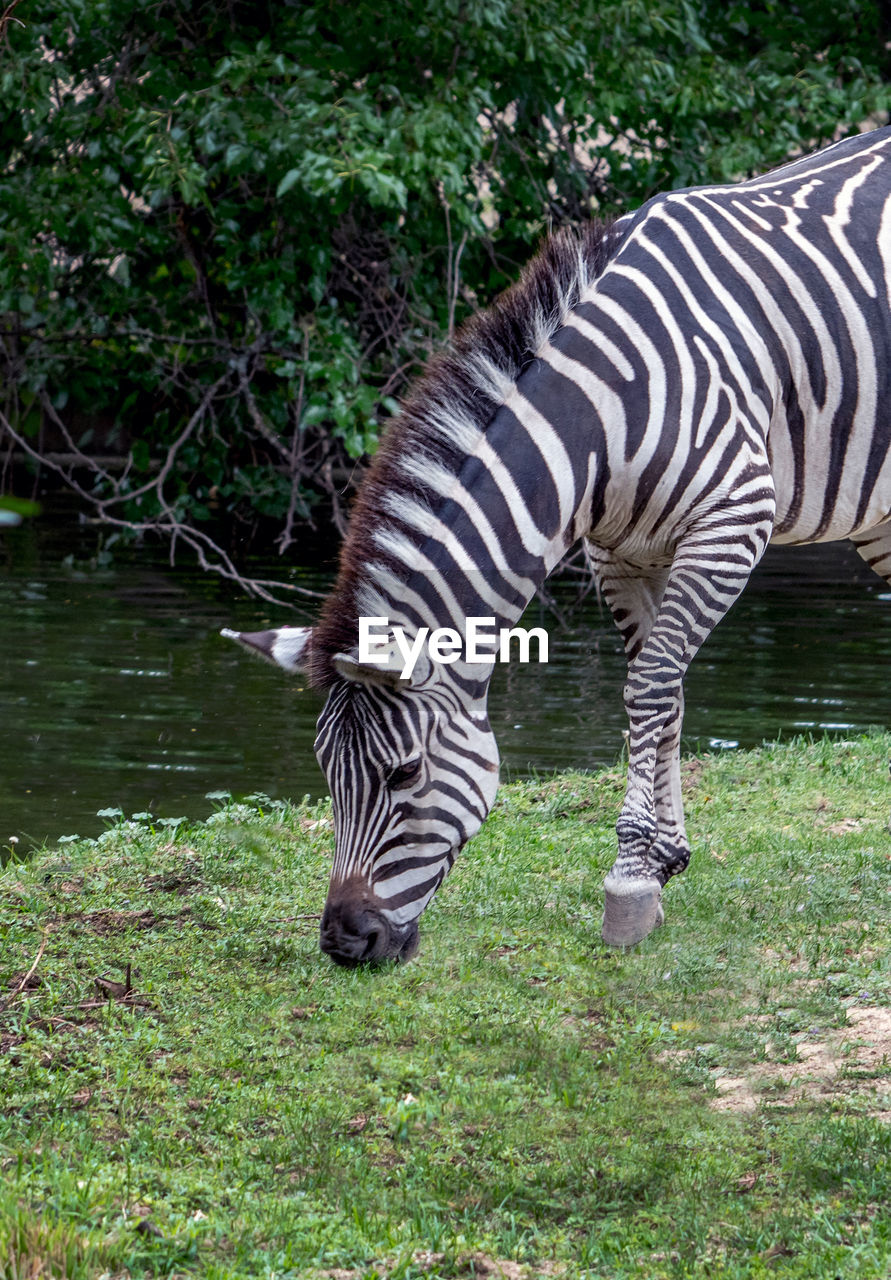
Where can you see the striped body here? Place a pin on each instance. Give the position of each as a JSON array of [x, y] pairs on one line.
[[710, 373], [762, 307]]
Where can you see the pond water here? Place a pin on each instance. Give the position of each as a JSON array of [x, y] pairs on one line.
[[117, 691]]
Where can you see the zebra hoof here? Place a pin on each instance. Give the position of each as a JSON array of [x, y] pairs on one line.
[[631, 910]]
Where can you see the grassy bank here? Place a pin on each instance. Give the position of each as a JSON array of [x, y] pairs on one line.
[[517, 1101]]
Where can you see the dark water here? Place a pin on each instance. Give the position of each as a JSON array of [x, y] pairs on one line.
[[116, 690]]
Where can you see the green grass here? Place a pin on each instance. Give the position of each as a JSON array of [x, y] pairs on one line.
[[516, 1095]]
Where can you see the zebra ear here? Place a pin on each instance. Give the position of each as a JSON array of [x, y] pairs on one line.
[[387, 675], [287, 647]]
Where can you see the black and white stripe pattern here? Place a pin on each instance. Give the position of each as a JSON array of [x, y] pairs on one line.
[[401, 813], [714, 377]]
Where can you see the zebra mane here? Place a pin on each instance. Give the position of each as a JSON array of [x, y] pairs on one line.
[[443, 416]]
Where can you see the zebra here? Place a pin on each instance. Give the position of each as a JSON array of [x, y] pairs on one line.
[[677, 387]]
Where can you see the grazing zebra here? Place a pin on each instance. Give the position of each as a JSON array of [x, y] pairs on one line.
[[678, 388]]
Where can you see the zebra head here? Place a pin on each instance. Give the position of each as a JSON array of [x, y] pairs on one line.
[[412, 767]]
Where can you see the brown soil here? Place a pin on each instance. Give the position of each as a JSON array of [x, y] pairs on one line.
[[829, 1068]]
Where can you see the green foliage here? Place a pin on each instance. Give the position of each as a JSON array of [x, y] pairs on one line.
[[268, 215]]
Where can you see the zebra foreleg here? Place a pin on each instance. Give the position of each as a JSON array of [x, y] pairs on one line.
[[633, 888], [670, 852], [708, 573], [634, 594]]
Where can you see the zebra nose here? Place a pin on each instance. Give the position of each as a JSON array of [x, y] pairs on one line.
[[353, 933]]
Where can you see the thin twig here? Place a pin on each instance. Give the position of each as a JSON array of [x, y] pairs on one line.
[[92, 463], [158, 482], [285, 538], [313, 915], [6, 17], [23, 982]]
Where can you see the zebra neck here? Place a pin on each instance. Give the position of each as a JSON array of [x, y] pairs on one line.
[[496, 530]]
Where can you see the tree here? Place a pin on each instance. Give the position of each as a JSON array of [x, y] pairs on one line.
[[231, 233]]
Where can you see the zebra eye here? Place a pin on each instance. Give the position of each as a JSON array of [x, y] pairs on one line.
[[403, 774]]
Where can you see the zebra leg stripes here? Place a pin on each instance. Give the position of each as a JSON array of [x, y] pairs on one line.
[[709, 571], [634, 594]]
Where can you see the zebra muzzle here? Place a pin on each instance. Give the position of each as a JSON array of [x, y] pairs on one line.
[[356, 933]]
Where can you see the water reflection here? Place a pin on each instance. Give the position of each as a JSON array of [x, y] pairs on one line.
[[116, 690]]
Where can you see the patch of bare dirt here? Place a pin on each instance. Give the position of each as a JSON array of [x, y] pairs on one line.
[[827, 1068], [473, 1266], [172, 882], [72, 886], [691, 774], [103, 922], [846, 827], [9, 1040], [107, 922], [786, 959], [24, 981]]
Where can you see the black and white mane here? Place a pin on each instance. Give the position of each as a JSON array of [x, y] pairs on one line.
[[453, 401]]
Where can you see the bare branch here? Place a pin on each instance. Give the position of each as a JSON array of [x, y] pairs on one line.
[[5, 19], [167, 524], [78, 456], [298, 439]]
